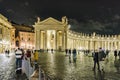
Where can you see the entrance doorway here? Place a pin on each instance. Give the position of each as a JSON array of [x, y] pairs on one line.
[[51, 39]]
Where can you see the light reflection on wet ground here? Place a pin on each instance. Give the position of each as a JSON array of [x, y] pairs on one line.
[[61, 67]]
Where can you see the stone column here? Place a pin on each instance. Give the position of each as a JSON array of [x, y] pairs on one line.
[[102, 43], [73, 43], [79, 44], [119, 45], [90, 45], [105, 45], [56, 46], [94, 45], [115, 45], [37, 39], [40, 39], [108, 46], [63, 40], [46, 39], [111, 45]]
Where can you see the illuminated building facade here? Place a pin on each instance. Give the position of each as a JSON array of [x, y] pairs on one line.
[[24, 36], [26, 40], [7, 34], [53, 34]]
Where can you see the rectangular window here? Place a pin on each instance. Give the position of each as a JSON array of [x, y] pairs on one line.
[[28, 39], [0, 30]]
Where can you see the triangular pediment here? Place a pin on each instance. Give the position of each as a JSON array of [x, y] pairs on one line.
[[50, 21]]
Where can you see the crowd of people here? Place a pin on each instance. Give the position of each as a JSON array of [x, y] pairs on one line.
[[32, 56], [22, 55], [98, 55]]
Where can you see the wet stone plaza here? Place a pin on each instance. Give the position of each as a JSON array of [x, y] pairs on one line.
[[59, 66], [7, 68]]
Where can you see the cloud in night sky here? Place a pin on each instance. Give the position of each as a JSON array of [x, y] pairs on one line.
[[102, 16], [10, 11], [1, 0]]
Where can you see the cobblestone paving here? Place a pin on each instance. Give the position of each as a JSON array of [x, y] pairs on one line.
[[60, 67], [7, 68]]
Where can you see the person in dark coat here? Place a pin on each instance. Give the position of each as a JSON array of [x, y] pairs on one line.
[[74, 55], [66, 50], [96, 61], [119, 54], [8, 52], [115, 54], [69, 51]]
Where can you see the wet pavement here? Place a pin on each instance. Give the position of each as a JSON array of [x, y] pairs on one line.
[[7, 68], [58, 66]]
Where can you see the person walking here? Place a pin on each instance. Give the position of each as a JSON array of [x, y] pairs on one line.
[[18, 54]]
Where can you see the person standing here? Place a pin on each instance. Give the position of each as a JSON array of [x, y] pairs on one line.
[[115, 54], [74, 55], [96, 61], [66, 50], [18, 54], [36, 56], [5, 52], [69, 52], [8, 52], [119, 54]]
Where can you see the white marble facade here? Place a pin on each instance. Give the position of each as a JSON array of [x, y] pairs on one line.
[[53, 34]]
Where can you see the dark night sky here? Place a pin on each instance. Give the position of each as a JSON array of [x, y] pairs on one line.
[[101, 16]]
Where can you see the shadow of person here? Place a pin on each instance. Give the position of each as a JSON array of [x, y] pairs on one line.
[[95, 75], [74, 60], [99, 75], [117, 65], [69, 59]]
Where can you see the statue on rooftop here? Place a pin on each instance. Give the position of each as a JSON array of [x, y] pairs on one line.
[[64, 20], [38, 19]]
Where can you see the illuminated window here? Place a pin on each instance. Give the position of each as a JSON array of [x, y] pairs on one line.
[[28, 39]]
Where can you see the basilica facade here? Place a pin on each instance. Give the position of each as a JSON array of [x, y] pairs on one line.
[[53, 34]]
